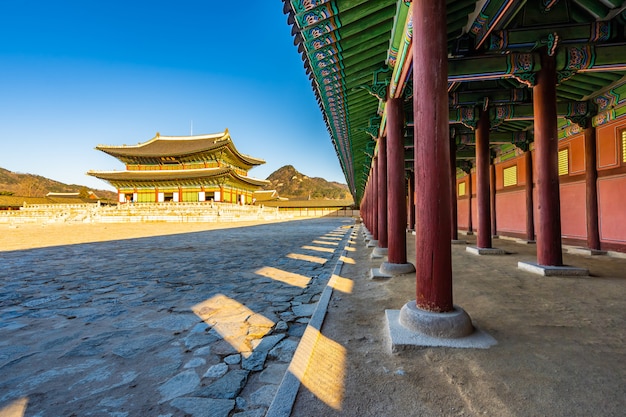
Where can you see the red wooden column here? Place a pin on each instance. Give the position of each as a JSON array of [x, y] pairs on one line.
[[591, 179], [483, 198], [382, 192], [411, 199], [454, 228], [396, 189], [492, 183], [374, 180], [530, 213], [470, 225], [549, 251], [432, 157], [368, 207]]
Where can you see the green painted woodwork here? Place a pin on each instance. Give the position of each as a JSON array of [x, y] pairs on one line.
[[494, 47]]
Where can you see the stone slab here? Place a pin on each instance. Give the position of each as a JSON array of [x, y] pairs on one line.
[[372, 243], [380, 252], [585, 251], [458, 242], [485, 251], [396, 269], [376, 274], [402, 339], [553, 271]]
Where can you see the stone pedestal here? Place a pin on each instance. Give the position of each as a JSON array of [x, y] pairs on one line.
[[396, 269], [413, 328], [553, 271], [484, 251]]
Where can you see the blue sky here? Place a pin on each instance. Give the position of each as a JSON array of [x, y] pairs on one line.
[[76, 74]]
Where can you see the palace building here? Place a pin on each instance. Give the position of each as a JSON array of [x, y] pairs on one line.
[[182, 169]]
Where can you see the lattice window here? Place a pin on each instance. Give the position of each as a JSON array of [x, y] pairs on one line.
[[510, 176], [564, 161], [461, 189], [624, 145]]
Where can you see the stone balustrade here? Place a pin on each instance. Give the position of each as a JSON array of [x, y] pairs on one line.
[[137, 213]]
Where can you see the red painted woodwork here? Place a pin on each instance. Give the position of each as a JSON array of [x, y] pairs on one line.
[[577, 154], [483, 194], [530, 196], [382, 193], [411, 202], [591, 189], [396, 188], [374, 185], [432, 157], [549, 250], [511, 207], [492, 199], [473, 215], [454, 227], [471, 211], [608, 154], [611, 203], [462, 213], [573, 212], [521, 170]]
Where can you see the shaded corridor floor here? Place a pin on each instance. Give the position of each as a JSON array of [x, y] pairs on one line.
[[561, 343]]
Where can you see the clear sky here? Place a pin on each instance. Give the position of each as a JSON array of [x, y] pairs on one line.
[[78, 73]]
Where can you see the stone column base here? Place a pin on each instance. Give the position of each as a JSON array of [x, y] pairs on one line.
[[484, 251], [379, 252], [372, 243], [375, 274], [586, 251], [414, 328], [553, 271], [396, 269], [458, 242]]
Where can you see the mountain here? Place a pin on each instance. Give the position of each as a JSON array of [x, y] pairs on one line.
[[30, 185], [290, 183]]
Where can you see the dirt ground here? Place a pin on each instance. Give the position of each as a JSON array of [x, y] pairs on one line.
[[30, 236], [561, 343]]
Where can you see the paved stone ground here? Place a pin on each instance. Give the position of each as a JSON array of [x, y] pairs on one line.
[[200, 324]]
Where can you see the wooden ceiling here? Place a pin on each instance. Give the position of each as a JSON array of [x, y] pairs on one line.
[[358, 51]]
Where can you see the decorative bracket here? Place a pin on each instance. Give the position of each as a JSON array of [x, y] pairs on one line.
[[581, 113], [408, 89], [576, 59], [379, 86], [467, 116], [464, 165], [373, 127], [521, 67]]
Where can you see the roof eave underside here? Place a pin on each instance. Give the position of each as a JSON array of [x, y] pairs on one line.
[[343, 43]]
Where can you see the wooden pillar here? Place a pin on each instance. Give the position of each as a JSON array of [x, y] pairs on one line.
[[432, 157], [591, 180], [454, 228], [492, 184], [483, 199], [470, 225], [382, 193], [396, 188], [374, 179], [549, 251], [411, 204], [530, 208]]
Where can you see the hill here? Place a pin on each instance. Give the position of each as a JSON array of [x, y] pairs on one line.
[[290, 183], [30, 185]]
